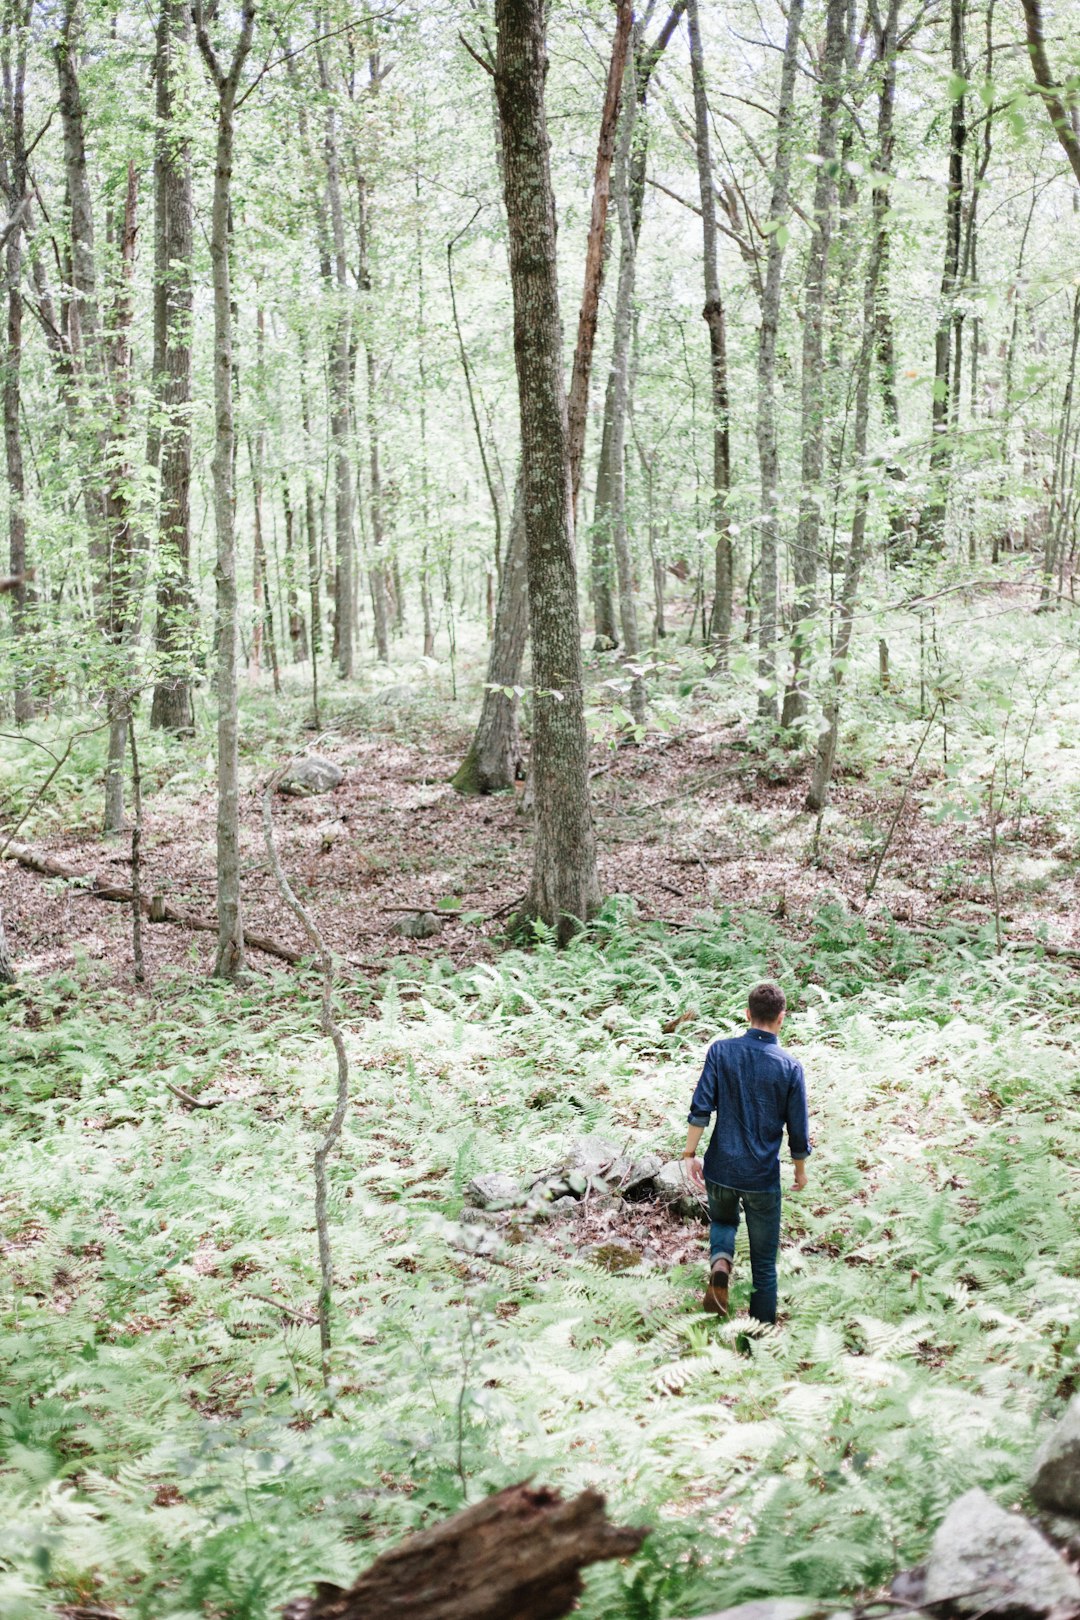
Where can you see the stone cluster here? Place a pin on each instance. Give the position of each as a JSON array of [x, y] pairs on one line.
[[593, 1174]]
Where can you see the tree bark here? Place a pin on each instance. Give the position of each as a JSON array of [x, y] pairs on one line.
[[340, 390], [808, 542], [124, 572], [825, 758], [578, 402], [517, 1553], [380, 592], [768, 447], [724, 561], [494, 758], [602, 572], [13, 178], [1060, 112], [169, 446], [564, 891], [620, 374], [493, 762], [229, 960], [932, 519]]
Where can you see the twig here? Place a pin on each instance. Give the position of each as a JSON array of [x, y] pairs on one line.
[[190, 1101], [332, 1030], [279, 1305], [509, 906]]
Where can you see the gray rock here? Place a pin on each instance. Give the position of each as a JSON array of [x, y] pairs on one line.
[[1055, 1482], [310, 774], [418, 925], [641, 1177], [985, 1561], [494, 1191], [565, 1206], [592, 1155], [673, 1187]]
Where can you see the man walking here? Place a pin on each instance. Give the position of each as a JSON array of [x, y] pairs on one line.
[[755, 1089]]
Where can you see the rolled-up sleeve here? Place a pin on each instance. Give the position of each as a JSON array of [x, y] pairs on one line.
[[703, 1102], [798, 1116]]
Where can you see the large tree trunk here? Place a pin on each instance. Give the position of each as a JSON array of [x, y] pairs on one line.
[[564, 891], [229, 960], [517, 1555], [13, 178], [768, 447], [932, 520], [493, 762], [813, 365], [825, 758], [724, 562], [170, 434]]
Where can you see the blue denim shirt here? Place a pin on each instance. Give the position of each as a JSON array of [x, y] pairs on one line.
[[755, 1089]]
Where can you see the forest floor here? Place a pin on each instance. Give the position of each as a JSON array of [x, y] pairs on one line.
[[167, 1449], [690, 820]]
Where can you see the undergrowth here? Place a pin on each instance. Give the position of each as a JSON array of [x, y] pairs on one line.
[[167, 1449]]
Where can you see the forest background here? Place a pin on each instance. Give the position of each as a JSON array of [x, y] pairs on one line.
[[281, 480]]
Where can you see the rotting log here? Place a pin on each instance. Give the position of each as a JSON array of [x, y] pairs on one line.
[[154, 907], [518, 1555]]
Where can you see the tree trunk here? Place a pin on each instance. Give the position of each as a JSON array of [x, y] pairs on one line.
[[932, 519], [601, 558], [340, 392], [493, 762], [170, 432], [124, 579], [1061, 115], [13, 178], [578, 402], [229, 960], [380, 592], [813, 365], [564, 891], [768, 448], [724, 565], [602, 572], [825, 758], [620, 373]]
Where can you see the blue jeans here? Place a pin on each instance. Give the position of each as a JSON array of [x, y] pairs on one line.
[[762, 1211]]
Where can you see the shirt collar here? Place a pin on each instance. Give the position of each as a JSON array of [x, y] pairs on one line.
[[765, 1035]]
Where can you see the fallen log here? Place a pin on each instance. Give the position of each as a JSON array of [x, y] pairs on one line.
[[154, 907], [517, 1555]]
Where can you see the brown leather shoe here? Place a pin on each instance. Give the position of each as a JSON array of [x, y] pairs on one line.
[[716, 1295]]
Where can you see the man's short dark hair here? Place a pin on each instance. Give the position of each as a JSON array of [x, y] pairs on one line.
[[766, 1002]]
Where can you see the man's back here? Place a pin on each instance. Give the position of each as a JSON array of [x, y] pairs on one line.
[[755, 1089]]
